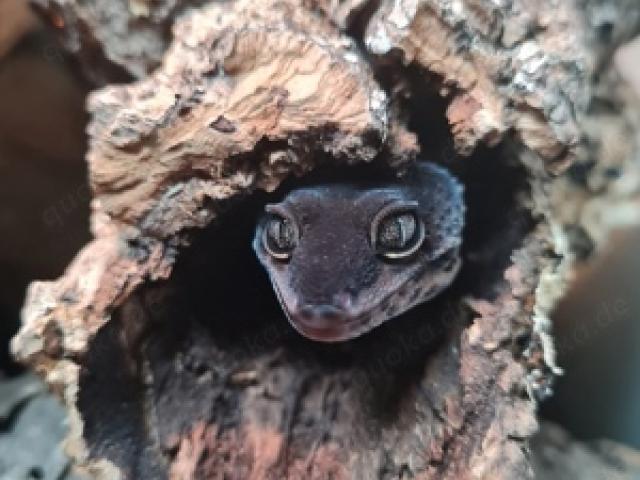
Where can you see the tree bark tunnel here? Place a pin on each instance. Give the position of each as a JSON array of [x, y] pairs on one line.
[[163, 336]]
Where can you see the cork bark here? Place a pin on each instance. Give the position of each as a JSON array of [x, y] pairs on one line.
[[163, 336]]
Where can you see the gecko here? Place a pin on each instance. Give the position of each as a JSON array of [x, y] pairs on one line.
[[344, 258]]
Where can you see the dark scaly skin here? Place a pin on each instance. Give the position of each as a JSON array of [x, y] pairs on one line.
[[334, 286]]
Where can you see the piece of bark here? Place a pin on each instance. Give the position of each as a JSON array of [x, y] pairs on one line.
[[164, 337], [30, 417], [558, 456]]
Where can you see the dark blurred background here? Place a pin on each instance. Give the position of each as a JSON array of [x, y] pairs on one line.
[[44, 208], [43, 189]]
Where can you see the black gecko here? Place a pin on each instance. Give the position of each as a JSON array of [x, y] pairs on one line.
[[344, 258]]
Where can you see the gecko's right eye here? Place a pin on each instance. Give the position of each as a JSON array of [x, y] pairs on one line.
[[280, 236]]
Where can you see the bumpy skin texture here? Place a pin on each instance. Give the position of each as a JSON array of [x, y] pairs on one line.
[[335, 285]]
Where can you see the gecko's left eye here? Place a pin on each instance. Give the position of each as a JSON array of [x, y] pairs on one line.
[[280, 236], [397, 231]]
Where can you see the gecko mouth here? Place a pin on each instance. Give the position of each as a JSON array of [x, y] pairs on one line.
[[327, 323], [324, 322]]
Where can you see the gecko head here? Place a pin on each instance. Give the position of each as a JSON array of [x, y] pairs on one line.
[[344, 258]]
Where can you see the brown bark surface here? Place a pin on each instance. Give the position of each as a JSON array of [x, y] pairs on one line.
[[163, 335]]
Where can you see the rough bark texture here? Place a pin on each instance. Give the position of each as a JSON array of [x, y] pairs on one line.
[[163, 335]]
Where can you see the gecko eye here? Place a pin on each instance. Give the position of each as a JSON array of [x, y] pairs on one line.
[[280, 236], [397, 232]]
